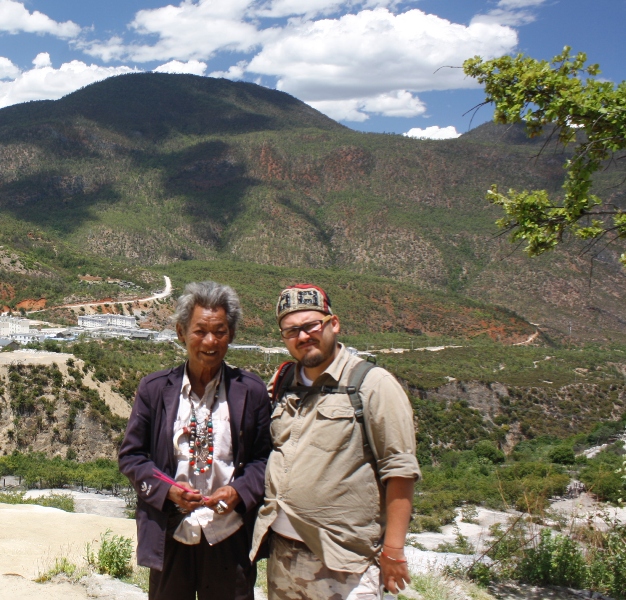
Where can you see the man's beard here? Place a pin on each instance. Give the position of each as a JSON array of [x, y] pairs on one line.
[[313, 359], [319, 353]]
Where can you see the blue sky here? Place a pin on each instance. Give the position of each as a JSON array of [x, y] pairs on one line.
[[371, 64]]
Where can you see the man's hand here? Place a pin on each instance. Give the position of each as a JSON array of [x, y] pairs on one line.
[[395, 572], [227, 494], [186, 500], [399, 500]]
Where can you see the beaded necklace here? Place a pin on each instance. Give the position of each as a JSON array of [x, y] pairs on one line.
[[201, 437]]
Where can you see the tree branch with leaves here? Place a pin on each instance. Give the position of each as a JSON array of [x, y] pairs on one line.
[[566, 98]]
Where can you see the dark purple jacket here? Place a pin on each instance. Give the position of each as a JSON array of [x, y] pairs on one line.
[[148, 443]]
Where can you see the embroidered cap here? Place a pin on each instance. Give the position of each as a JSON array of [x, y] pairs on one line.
[[303, 296]]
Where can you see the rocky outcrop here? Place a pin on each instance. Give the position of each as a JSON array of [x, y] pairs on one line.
[[54, 409]]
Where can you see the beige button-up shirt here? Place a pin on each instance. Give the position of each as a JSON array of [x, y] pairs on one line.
[[321, 472]]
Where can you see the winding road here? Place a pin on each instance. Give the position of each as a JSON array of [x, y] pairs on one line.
[[164, 294]]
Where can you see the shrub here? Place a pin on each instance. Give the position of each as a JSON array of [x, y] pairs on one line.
[[601, 477], [62, 501], [461, 545], [62, 566], [114, 555], [486, 449], [562, 455], [469, 514], [555, 560]]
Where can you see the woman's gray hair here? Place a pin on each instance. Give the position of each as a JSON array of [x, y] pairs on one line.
[[208, 294]]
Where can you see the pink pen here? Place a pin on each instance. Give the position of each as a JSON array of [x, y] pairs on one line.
[[164, 477]]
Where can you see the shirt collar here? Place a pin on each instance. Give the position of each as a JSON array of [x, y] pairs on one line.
[[335, 369], [186, 389]]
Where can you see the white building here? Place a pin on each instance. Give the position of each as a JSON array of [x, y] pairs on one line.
[[28, 337], [167, 335], [12, 325], [92, 321]]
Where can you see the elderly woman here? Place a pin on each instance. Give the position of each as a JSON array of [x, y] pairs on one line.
[[195, 450]]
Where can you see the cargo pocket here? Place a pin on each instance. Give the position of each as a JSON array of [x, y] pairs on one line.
[[333, 427]]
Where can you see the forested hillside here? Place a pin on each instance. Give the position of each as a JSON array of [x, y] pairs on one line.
[[153, 169]]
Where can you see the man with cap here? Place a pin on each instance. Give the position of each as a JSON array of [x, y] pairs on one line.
[[338, 485]]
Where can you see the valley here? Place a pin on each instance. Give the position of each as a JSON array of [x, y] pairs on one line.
[[515, 367], [203, 170]]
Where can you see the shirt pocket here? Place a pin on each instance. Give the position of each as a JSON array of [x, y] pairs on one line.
[[222, 441], [276, 427], [333, 427]]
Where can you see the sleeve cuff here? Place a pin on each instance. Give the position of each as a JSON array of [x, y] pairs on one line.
[[398, 465]]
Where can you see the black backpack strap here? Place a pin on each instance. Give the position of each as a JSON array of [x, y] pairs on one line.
[[355, 380], [285, 377]]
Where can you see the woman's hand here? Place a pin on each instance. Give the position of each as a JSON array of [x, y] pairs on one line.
[[228, 495], [394, 569], [186, 500]]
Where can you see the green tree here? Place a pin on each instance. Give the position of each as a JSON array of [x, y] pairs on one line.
[[562, 455], [486, 449], [566, 98]]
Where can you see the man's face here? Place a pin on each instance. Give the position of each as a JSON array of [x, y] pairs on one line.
[[311, 349], [206, 339]]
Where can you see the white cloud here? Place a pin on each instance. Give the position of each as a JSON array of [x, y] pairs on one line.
[[109, 50], [191, 30], [433, 133], [311, 8], [235, 72], [42, 60], [517, 4], [342, 110], [510, 12], [375, 52], [7, 69], [191, 67], [374, 61], [15, 18], [399, 103], [47, 83]]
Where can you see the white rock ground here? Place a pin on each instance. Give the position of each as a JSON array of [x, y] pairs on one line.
[[32, 537]]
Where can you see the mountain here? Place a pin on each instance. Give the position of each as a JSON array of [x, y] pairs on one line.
[[153, 169], [155, 106]]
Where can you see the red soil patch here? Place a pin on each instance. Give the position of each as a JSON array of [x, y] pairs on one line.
[[32, 304], [89, 278]]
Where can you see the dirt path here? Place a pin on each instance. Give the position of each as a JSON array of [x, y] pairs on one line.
[[530, 340], [164, 294]]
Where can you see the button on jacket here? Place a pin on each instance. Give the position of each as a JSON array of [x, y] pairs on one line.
[[327, 478]]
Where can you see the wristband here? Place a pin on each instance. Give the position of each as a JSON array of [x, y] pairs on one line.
[[392, 547], [398, 560]]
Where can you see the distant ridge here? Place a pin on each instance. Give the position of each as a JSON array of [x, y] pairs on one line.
[[156, 104], [495, 133]]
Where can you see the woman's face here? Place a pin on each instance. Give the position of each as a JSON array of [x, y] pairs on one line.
[[206, 339]]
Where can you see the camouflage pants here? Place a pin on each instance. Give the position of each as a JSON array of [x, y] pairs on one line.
[[295, 573]]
